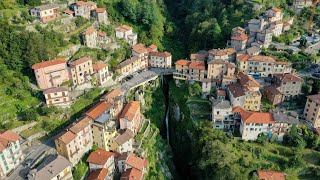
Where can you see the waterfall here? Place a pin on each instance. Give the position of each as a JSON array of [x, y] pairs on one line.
[[167, 125]]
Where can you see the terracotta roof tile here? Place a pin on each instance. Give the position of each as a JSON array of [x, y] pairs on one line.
[[131, 174], [242, 37], [124, 137], [248, 80], [136, 162], [221, 52], [282, 62], [183, 62], [82, 3], [98, 109], [198, 57], [100, 157], [68, 11], [112, 94], [99, 66], [243, 57], [197, 65], [124, 28], [49, 63], [102, 34], [98, 174], [262, 58], [272, 89], [160, 54], [236, 90], [221, 92], [7, 136], [79, 61], [139, 48], [254, 117], [152, 48], [100, 10], [271, 175], [90, 31], [287, 77], [130, 110], [276, 9]]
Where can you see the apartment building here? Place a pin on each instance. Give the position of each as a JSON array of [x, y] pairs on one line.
[[262, 65], [80, 70], [282, 67], [129, 66], [116, 98], [10, 152], [100, 159], [57, 96], [312, 110], [76, 140], [273, 95], [130, 117], [51, 73], [83, 9], [288, 84], [265, 36], [52, 168], [101, 15], [101, 72], [123, 141], [274, 14], [283, 123], [134, 168], [160, 59], [277, 28], [245, 93], [217, 69], [89, 37], [103, 125], [228, 54], [126, 32], [189, 70], [252, 124], [142, 53], [45, 13], [239, 39], [222, 115]]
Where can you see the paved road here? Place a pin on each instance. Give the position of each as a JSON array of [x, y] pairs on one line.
[[22, 171]]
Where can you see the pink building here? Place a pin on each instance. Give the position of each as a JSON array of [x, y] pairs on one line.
[[130, 117], [51, 73]]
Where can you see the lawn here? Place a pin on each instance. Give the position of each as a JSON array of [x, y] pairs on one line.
[[34, 130]]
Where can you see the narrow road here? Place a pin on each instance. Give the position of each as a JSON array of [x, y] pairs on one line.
[[22, 171]]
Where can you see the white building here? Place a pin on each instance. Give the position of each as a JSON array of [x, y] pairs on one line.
[[57, 96], [45, 13], [160, 59], [101, 72], [83, 9], [222, 115], [126, 32], [253, 124], [10, 152]]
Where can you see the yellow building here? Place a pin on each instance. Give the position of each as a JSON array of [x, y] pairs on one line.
[[189, 70], [245, 93]]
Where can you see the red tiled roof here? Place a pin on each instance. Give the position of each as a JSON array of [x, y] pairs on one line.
[[49, 63], [102, 34], [271, 175], [98, 174], [276, 9], [112, 94], [68, 11], [281, 62], [160, 54], [99, 66], [131, 174], [243, 57], [254, 117], [89, 31], [98, 109], [287, 77], [130, 110], [80, 61], [82, 3], [221, 52], [236, 90], [241, 37], [139, 48], [198, 57], [152, 48], [272, 89], [197, 65], [136, 162], [262, 58], [99, 157], [183, 62], [100, 10], [221, 92], [7, 136], [124, 28], [248, 80]]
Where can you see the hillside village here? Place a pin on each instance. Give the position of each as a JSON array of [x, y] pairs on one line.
[[249, 93]]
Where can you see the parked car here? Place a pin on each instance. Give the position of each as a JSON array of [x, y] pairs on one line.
[[28, 162]]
